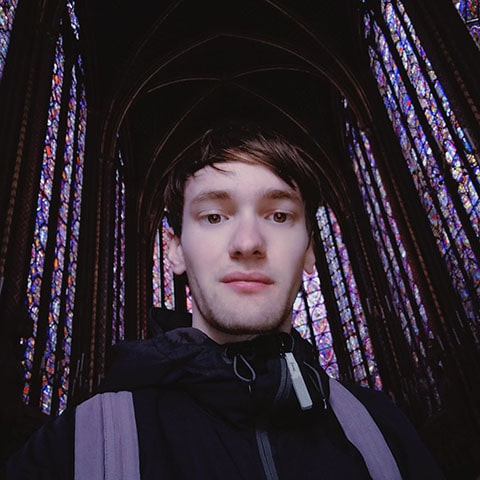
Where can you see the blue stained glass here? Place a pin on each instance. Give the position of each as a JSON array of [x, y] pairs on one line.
[[77, 180], [7, 15], [350, 309], [62, 291], [168, 281], [59, 261], [384, 228], [426, 171], [429, 101], [433, 113], [320, 326], [157, 271], [65, 266], [118, 321], [469, 10], [163, 280], [74, 23], [34, 280]]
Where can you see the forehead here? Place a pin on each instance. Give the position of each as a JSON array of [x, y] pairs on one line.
[[238, 179]]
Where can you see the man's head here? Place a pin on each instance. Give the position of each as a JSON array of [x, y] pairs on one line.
[[248, 143], [239, 212]]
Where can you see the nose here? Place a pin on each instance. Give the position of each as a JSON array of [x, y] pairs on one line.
[[247, 240]]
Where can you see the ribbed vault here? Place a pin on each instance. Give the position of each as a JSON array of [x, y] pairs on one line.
[[188, 64]]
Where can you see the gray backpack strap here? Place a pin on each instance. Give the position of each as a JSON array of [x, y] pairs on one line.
[[363, 432], [106, 442]]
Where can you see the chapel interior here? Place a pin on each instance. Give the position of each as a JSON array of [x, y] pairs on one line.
[[99, 99]]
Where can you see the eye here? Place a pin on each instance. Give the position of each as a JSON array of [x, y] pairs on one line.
[[280, 217], [214, 218]]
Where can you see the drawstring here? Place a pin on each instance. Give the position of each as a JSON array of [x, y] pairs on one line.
[[317, 381], [248, 380]]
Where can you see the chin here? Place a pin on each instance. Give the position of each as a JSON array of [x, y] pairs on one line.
[[253, 327]]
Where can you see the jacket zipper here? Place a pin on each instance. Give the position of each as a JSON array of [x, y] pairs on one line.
[[261, 433], [265, 451]]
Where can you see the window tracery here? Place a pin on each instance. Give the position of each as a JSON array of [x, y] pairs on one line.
[[441, 161], [51, 282]]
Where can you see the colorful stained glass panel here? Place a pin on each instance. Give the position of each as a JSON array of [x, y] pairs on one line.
[[118, 266], [350, 308], [469, 10], [162, 273], [74, 23], [7, 15], [168, 280], [314, 301], [59, 268], [55, 364], [39, 246], [157, 271], [398, 70]]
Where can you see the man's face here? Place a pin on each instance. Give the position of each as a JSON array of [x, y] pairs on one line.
[[244, 245]]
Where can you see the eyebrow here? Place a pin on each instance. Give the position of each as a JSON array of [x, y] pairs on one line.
[[282, 194], [269, 194], [211, 195]]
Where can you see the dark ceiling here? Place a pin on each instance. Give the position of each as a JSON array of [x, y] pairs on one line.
[[164, 70]]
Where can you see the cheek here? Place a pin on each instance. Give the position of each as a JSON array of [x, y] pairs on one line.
[[199, 254], [302, 261]]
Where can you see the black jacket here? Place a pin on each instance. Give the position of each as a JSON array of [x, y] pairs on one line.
[[212, 411]]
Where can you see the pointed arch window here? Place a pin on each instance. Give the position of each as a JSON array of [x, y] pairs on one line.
[[350, 309], [118, 265], [7, 15], [440, 158], [51, 282], [469, 10], [405, 299]]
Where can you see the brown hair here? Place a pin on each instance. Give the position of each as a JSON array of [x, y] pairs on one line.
[[249, 143]]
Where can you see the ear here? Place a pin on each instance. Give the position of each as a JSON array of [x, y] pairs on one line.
[[309, 261], [175, 255]]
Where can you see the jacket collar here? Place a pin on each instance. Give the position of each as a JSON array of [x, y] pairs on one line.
[[239, 381]]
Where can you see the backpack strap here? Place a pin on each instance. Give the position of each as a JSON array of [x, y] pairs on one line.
[[362, 431], [106, 442]]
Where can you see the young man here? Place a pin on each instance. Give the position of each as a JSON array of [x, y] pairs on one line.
[[239, 395]]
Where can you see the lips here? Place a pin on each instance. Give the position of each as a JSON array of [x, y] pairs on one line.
[[247, 282], [254, 277]]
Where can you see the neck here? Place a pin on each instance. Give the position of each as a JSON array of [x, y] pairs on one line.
[[223, 336]]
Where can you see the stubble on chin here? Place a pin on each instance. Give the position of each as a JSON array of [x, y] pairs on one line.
[[240, 323]]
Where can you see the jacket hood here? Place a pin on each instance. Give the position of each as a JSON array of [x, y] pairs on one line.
[[239, 380]]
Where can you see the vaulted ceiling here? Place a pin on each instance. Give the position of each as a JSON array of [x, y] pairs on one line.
[[164, 70]]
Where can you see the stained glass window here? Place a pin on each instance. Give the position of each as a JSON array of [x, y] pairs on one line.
[[72, 238], [310, 320], [53, 267], [406, 300], [469, 10], [7, 15], [162, 272], [188, 296], [439, 156], [157, 270], [39, 247], [118, 266], [74, 23], [350, 308]]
